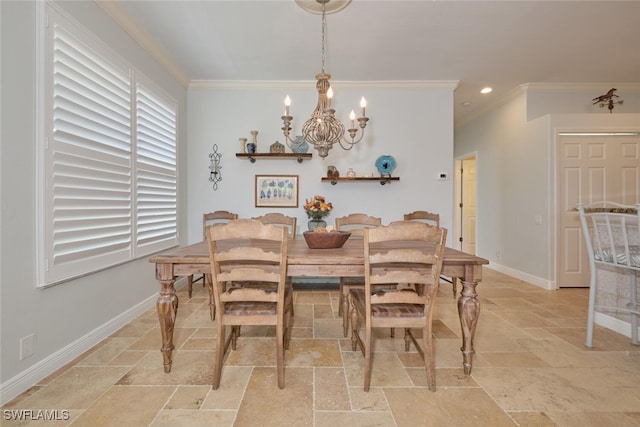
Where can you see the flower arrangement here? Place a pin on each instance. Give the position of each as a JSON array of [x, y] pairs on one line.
[[317, 207]]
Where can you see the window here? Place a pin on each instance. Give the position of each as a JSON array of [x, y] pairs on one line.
[[110, 181]]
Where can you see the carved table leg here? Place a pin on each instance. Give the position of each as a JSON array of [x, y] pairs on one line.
[[167, 308], [469, 311]]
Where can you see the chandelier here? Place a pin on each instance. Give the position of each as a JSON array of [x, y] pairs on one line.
[[323, 129]]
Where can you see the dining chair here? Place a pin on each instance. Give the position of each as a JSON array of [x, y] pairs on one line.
[[282, 220], [401, 252], [235, 264], [433, 219], [356, 224], [211, 218]]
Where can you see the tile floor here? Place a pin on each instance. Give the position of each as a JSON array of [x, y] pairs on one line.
[[530, 369]]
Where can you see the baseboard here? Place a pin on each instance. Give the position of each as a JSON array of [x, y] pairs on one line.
[[529, 278], [45, 367], [616, 325]]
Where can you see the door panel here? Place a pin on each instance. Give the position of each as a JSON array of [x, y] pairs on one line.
[[591, 169]]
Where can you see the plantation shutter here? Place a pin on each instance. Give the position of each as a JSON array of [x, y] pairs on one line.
[[156, 179], [90, 183]]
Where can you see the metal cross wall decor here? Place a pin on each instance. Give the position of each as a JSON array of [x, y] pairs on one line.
[[215, 175]]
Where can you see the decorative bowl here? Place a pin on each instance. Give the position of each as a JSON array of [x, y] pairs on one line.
[[326, 240]]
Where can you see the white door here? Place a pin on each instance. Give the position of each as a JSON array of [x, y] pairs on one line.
[[466, 202], [591, 168]]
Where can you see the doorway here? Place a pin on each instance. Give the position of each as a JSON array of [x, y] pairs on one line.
[[465, 218]]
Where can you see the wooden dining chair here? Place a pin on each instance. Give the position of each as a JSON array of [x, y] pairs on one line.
[[282, 220], [402, 252], [354, 223], [433, 219], [211, 218], [235, 264]]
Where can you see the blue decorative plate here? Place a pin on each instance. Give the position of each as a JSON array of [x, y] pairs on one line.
[[385, 164], [299, 146]]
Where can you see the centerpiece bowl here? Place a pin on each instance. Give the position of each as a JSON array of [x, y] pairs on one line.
[[326, 240]]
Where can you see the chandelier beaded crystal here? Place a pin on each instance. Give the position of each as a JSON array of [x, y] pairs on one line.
[[323, 129]]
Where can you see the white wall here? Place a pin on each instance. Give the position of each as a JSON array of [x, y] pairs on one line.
[[512, 186], [413, 124], [515, 170], [69, 317]]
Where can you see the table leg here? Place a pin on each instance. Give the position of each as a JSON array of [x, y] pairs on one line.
[[167, 308], [469, 311]]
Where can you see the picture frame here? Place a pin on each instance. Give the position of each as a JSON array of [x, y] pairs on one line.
[[276, 191]]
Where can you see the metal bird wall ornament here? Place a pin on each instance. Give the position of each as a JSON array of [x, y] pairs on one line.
[[608, 99]]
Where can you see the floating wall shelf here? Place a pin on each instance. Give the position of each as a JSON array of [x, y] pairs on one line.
[[381, 179], [253, 156]]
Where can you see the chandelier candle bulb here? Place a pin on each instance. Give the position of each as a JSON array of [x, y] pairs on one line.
[[363, 104], [287, 103], [352, 117]]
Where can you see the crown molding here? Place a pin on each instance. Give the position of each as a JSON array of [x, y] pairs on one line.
[[577, 87], [304, 84], [132, 28]]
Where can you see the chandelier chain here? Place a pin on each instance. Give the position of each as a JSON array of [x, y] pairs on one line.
[[324, 25]]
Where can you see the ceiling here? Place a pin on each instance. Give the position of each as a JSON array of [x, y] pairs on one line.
[[502, 44]]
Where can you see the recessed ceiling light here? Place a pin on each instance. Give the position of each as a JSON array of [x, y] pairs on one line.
[[486, 90]]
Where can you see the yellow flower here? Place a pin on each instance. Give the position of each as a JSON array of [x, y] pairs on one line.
[[317, 207]]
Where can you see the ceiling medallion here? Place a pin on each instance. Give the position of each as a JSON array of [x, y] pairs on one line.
[[315, 6]]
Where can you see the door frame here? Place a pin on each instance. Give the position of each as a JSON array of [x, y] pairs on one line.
[[457, 199]]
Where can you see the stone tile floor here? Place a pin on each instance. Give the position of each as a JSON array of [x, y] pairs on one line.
[[530, 369]]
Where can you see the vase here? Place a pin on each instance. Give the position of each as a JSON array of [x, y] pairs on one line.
[[253, 145], [315, 223]]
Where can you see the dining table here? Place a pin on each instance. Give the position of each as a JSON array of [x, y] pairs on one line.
[[347, 261]]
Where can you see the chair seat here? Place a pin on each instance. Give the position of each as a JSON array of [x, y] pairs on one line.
[[244, 308], [387, 310], [252, 308]]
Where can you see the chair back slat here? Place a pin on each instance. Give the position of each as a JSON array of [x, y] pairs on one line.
[[398, 297], [216, 217], [428, 217], [408, 276], [356, 223], [282, 220], [249, 295]]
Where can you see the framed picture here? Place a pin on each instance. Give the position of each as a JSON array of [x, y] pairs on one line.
[[276, 191]]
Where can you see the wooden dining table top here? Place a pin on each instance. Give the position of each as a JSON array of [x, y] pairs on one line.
[[345, 261]]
